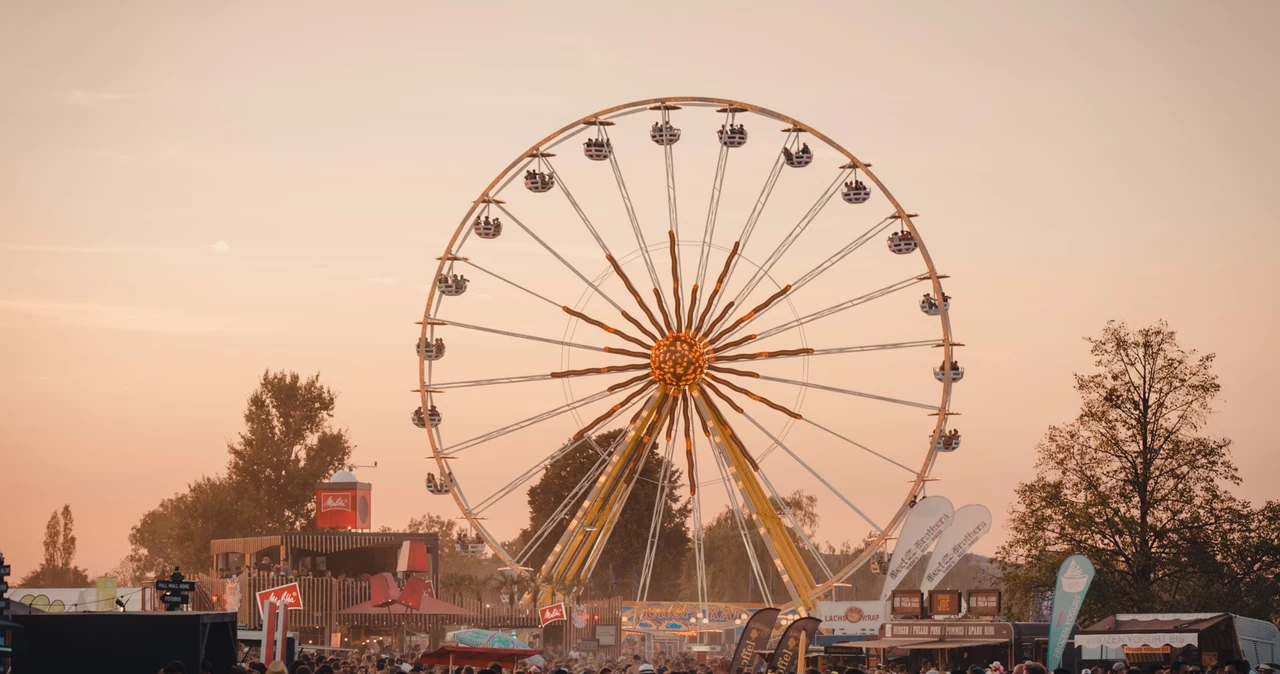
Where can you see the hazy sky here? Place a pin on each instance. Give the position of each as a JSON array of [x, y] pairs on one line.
[[191, 193]]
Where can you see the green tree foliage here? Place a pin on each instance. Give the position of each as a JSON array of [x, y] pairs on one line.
[[1135, 485], [623, 556], [58, 568], [288, 446], [178, 531], [730, 576]]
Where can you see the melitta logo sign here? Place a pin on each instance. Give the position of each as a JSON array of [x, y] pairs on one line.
[[335, 501], [288, 594], [552, 613]]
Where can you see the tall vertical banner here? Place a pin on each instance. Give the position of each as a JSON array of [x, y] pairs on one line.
[[926, 521], [786, 655], [755, 636], [275, 630], [1074, 576], [970, 523]]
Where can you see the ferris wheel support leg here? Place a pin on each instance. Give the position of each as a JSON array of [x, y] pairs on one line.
[[566, 558], [791, 566]]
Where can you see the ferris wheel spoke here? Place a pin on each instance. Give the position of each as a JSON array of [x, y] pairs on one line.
[[511, 283], [736, 509], [862, 348], [724, 313], [841, 254], [662, 307], [539, 466], [655, 521], [584, 551], [713, 208], [750, 225], [763, 270], [812, 472], [827, 264], [518, 335], [635, 294], [758, 398], [564, 374], [715, 291], [849, 392], [783, 353], [571, 501], [861, 446], [747, 316], [847, 304], [558, 256], [673, 215], [631, 215], [677, 304], [613, 331], [536, 419], [471, 383], [723, 421], [795, 525], [614, 410], [578, 209]]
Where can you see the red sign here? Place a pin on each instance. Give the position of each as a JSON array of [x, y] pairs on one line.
[[287, 594], [335, 501], [552, 613]]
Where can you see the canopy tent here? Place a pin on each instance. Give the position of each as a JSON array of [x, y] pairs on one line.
[[1255, 640]]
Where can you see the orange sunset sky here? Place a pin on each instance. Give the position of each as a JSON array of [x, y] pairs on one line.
[[191, 193]]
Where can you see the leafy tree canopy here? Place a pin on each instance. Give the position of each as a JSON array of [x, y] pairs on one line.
[[1137, 486], [58, 568], [288, 445]]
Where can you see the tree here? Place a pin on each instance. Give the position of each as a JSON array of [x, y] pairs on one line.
[[1135, 485], [178, 531], [620, 562], [730, 576], [288, 446], [58, 568]]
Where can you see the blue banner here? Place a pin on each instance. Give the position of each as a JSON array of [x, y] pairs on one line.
[[1074, 577]]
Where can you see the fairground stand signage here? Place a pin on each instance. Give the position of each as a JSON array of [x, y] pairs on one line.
[[681, 616], [944, 630]]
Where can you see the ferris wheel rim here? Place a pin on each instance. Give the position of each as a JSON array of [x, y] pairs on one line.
[[461, 233]]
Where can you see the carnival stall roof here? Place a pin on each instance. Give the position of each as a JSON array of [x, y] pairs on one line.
[[1254, 640], [455, 655], [430, 606]]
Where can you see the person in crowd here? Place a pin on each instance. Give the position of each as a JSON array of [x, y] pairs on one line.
[[174, 667], [1031, 668]]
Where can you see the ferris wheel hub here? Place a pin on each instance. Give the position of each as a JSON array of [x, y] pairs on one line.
[[678, 360]]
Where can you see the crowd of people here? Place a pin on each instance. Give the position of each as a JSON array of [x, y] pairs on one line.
[[379, 661]]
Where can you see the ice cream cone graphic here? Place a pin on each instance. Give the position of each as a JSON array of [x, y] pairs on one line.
[[1074, 580]]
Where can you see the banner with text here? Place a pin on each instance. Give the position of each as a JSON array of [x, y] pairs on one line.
[[289, 595], [786, 656], [926, 521], [755, 636], [1074, 576], [969, 523], [851, 617], [550, 614]]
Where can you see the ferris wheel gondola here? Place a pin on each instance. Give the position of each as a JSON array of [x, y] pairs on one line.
[[684, 366]]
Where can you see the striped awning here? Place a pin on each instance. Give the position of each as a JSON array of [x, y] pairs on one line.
[[314, 541], [246, 546], [343, 540]]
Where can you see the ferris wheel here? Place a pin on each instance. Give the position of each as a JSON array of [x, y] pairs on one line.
[[756, 333]]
